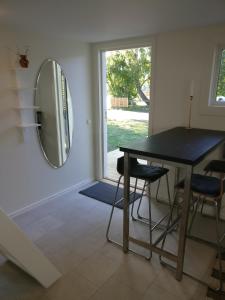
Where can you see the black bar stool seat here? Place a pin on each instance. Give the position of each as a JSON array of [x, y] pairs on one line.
[[148, 173], [215, 166], [141, 171], [203, 184]]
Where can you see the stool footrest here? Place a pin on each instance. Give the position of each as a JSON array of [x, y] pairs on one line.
[[216, 274], [155, 249], [215, 294]]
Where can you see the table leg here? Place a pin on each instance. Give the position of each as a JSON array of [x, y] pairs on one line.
[[126, 203], [184, 223]]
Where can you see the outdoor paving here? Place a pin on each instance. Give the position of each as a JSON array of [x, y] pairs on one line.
[[112, 157], [121, 115], [112, 173]]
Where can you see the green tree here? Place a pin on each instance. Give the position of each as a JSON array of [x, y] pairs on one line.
[[221, 79], [128, 72]]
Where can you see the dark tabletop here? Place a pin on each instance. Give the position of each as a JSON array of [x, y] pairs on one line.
[[182, 145]]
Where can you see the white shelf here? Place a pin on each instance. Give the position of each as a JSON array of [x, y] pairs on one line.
[[28, 125], [16, 88], [18, 68], [27, 107]]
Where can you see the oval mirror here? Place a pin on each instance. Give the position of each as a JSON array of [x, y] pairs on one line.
[[54, 113]]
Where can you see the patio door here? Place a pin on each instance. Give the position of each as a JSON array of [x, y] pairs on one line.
[[126, 80]]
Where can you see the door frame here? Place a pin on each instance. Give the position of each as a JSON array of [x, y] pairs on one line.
[[97, 52]]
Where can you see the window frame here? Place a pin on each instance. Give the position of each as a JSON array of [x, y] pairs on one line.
[[215, 77]]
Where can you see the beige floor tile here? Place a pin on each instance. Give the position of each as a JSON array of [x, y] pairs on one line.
[[137, 273], [76, 227], [28, 218], [72, 286], [200, 293], [113, 289], [184, 289], [114, 252], [87, 245], [52, 242], [97, 268], [39, 228], [71, 232], [17, 285], [49, 223], [84, 248], [156, 292], [199, 260], [66, 261]]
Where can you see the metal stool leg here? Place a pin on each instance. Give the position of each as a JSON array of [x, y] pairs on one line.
[[169, 198], [168, 190], [219, 206], [139, 204], [112, 210], [203, 200], [168, 223], [150, 214], [150, 218], [218, 246], [132, 208], [158, 186], [194, 214], [202, 206], [157, 191]]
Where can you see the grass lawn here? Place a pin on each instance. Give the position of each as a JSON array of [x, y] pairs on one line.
[[125, 131]]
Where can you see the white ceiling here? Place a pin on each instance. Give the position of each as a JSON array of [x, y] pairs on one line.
[[101, 20]]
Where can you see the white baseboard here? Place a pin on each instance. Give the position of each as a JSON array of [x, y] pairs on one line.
[[52, 197]]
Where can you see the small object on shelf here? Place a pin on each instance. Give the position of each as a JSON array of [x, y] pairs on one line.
[[22, 54], [24, 62]]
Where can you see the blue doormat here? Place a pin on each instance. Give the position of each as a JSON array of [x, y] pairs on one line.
[[106, 192]]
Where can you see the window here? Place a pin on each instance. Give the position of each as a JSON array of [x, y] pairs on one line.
[[217, 93]]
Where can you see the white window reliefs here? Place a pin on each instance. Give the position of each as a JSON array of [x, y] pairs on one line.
[[217, 88]]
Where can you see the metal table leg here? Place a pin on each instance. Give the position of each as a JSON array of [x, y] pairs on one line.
[[183, 224], [126, 203]]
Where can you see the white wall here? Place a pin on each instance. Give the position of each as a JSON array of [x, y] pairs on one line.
[[25, 176], [181, 57], [178, 58]]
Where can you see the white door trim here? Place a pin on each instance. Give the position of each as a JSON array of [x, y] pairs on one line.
[[97, 50]]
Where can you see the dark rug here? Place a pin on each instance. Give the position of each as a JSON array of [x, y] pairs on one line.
[[106, 192]]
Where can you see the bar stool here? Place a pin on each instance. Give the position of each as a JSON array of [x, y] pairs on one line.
[[147, 173], [215, 166], [211, 188], [146, 184], [218, 167]]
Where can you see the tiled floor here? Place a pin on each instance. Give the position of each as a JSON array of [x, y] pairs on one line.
[[71, 232]]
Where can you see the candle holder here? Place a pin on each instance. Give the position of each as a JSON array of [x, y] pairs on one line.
[[189, 114], [190, 106]]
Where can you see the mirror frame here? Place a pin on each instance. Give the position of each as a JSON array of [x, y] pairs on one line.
[[47, 60]]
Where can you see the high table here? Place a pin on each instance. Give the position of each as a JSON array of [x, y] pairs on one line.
[[180, 147]]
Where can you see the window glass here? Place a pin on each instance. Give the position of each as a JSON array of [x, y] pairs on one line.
[[220, 86]]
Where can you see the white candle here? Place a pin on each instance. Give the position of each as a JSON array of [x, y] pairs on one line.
[[192, 88]]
